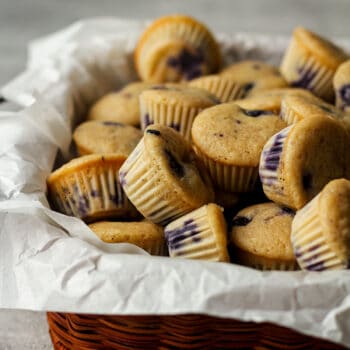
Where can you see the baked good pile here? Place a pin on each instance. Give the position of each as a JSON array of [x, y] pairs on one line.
[[247, 163]]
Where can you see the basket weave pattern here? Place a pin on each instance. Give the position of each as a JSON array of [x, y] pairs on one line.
[[74, 331]]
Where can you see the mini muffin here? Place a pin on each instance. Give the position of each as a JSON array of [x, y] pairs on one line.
[[229, 140], [121, 106], [88, 187], [271, 99], [161, 177], [321, 230], [254, 76], [144, 234], [261, 237], [97, 136], [310, 62], [174, 105], [224, 88], [301, 159], [254, 68], [296, 108], [175, 48], [200, 234], [341, 84]]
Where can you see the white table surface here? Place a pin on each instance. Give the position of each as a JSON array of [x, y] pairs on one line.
[[24, 20]]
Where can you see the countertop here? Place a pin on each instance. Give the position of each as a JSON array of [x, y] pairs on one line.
[[24, 20]]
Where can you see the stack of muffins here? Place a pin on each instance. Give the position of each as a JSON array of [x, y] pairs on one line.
[[246, 163]]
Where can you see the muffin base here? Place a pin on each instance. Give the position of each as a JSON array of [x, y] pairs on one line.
[[309, 244], [229, 177]]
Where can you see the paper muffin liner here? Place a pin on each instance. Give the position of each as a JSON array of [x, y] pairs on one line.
[[92, 193], [288, 115], [303, 70], [147, 191], [178, 117], [192, 237], [262, 263], [223, 88], [195, 43], [157, 248], [309, 244], [269, 164], [342, 98], [229, 177], [341, 84]]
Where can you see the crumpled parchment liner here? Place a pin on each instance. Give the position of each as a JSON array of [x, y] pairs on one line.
[[49, 261]]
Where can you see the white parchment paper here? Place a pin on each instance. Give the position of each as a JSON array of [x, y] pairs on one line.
[[49, 261]]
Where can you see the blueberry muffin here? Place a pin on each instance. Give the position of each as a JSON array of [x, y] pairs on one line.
[[200, 234], [261, 237], [161, 177], [174, 105], [222, 138], [176, 48], [121, 106], [254, 76], [310, 62], [97, 136], [321, 229], [301, 159], [88, 188]]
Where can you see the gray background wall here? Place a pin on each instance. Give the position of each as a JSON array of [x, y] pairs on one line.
[[23, 20]]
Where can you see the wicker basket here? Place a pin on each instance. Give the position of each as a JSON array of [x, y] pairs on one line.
[[75, 331]]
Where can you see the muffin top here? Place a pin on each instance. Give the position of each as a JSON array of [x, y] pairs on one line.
[[231, 135], [256, 75], [267, 83], [174, 160], [264, 230], [250, 70], [178, 94], [310, 158], [139, 233], [121, 106], [106, 137], [326, 51], [135, 88]]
